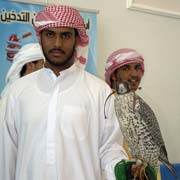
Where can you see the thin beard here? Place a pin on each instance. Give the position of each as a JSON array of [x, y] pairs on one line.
[[57, 63]]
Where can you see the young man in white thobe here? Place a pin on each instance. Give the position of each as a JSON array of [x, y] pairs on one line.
[[54, 127]]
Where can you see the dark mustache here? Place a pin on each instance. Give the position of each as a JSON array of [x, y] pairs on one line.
[[57, 50]]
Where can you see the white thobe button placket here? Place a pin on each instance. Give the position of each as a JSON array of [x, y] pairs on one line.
[[51, 124]]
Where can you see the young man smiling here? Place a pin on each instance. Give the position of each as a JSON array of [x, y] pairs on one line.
[[124, 65]]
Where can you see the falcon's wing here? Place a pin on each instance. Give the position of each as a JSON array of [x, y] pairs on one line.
[[150, 119]]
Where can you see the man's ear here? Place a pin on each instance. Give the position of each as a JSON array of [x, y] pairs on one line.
[[113, 80], [77, 40], [113, 76]]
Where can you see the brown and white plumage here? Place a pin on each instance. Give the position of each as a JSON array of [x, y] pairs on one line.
[[141, 130]]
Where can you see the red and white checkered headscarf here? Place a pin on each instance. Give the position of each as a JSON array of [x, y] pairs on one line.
[[64, 16], [120, 58]]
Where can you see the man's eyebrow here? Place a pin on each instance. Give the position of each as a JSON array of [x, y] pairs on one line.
[[138, 64], [66, 32], [47, 30], [126, 65]]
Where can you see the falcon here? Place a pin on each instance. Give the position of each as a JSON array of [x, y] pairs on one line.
[[141, 130]]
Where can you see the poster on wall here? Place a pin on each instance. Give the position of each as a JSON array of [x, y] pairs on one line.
[[16, 21]]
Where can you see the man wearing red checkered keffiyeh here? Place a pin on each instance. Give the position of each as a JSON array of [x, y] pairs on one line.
[[122, 60], [54, 127], [123, 73], [64, 16]]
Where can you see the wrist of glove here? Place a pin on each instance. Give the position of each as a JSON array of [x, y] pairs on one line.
[[122, 171]]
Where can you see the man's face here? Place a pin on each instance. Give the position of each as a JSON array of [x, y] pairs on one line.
[[58, 45], [31, 67], [39, 64], [132, 73]]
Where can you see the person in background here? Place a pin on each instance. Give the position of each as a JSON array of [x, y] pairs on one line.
[[28, 59], [54, 126], [125, 65]]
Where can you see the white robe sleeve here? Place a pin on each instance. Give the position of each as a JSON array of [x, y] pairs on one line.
[[111, 150], [8, 140]]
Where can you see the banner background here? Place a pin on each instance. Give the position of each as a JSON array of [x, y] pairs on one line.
[[16, 21]]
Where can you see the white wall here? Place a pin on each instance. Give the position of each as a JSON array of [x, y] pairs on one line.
[[158, 39]]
